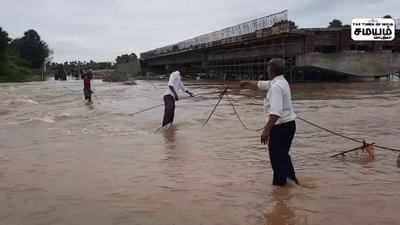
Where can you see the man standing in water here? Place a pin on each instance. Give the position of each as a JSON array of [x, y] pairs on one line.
[[280, 127], [170, 96], [87, 91]]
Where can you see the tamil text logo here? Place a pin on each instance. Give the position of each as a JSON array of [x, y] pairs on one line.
[[373, 29]]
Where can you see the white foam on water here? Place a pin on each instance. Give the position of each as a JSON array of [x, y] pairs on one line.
[[44, 119], [22, 101], [85, 131], [63, 116]]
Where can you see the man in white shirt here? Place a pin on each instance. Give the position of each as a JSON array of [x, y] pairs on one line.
[[170, 96], [280, 127]]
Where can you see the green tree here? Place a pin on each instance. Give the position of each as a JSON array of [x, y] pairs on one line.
[[335, 23], [122, 59], [31, 48], [4, 39], [103, 65], [291, 23]]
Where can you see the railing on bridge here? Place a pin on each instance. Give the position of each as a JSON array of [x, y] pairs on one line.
[[229, 32]]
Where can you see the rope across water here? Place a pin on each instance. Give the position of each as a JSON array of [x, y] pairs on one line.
[[312, 124], [243, 124]]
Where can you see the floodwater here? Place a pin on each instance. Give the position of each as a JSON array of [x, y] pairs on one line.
[[64, 162]]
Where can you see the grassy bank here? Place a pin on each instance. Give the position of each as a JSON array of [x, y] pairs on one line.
[[18, 70]]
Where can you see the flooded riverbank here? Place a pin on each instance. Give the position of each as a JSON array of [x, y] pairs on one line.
[[63, 162]]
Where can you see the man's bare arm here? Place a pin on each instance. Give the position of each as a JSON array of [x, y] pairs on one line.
[[249, 84], [267, 129]]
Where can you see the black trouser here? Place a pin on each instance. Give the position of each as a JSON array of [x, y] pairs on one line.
[[87, 93], [169, 109], [280, 140]]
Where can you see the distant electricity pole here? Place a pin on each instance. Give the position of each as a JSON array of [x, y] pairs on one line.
[[46, 60]]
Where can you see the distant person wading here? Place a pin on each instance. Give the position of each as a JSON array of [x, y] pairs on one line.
[[170, 96], [87, 91], [280, 128]]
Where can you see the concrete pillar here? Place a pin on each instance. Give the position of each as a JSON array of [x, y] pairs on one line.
[[204, 63]]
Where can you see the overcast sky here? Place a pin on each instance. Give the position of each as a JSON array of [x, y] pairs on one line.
[[101, 30]]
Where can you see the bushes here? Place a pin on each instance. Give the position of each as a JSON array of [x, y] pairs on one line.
[[15, 70], [116, 77]]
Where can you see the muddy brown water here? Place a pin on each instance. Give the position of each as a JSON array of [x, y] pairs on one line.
[[63, 162]]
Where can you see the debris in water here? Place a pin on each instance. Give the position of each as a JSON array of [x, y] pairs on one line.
[[129, 82], [369, 148]]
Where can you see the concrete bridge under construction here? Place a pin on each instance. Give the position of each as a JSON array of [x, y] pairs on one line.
[[311, 54]]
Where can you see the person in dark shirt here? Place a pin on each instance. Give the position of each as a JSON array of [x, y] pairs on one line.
[[87, 91]]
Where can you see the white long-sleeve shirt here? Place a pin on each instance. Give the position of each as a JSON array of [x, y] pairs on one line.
[[176, 82], [278, 99]]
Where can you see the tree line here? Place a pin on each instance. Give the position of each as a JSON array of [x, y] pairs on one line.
[[75, 68], [336, 23], [22, 57], [72, 67]]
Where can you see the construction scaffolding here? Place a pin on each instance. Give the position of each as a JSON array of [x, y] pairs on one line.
[[216, 37]]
